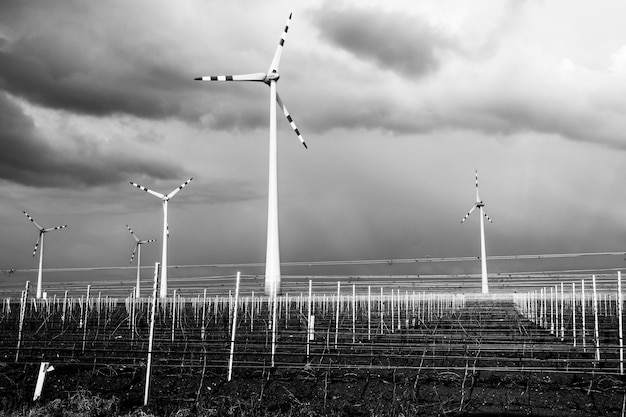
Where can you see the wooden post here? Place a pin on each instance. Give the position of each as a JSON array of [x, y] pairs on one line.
[[234, 329], [44, 368], [151, 337]]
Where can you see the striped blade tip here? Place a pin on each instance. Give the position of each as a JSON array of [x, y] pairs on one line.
[[305, 147], [198, 79]]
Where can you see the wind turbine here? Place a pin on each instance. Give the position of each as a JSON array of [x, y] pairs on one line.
[[166, 232], [483, 256], [270, 78], [137, 249], [39, 242]]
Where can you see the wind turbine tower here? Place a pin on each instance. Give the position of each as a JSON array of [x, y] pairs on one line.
[[166, 232], [137, 249], [270, 78], [39, 242], [483, 255]]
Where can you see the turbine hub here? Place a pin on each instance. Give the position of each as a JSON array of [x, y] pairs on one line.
[[272, 76], [480, 204]]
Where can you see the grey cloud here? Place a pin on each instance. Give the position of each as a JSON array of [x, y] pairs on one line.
[[28, 158], [407, 45]]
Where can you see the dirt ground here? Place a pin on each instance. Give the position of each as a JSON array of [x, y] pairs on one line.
[[309, 391]]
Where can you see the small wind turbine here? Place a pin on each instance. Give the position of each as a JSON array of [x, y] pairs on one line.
[[164, 198], [483, 256], [270, 78], [39, 242], [137, 249]]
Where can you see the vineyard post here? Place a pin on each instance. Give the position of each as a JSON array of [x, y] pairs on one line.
[[619, 322], [583, 301], [151, 337], [380, 308], [353, 314], [337, 315], [274, 296], [252, 313], [309, 335], [393, 318], [84, 319], [23, 302], [234, 329], [574, 312], [203, 327], [174, 308], [399, 304], [596, 335], [562, 319], [369, 312], [551, 310]]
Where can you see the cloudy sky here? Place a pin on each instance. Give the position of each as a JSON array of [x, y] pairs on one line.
[[399, 104]]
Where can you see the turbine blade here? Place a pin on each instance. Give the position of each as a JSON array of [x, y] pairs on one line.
[[133, 255], [274, 65], [291, 122], [32, 220], [54, 228], [141, 242], [477, 197], [37, 243], [257, 76], [487, 217], [131, 232], [154, 193], [468, 214], [167, 229], [173, 193]]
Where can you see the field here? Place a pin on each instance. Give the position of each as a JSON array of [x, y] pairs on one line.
[[371, 351]]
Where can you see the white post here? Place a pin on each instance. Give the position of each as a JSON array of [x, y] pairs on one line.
[[620, 302], [562, 319], [274, 323], [309, 336], [234, 328], [337, 315], [44, 368], [369, 312], [353, 314], [595, 316], [574, 313], [483, 252], [151, 337], [584, 320]]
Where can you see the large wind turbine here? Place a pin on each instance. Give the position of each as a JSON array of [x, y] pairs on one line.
[[39, 242], [270, 78], [166, 232], [137, 249], [483, 256]]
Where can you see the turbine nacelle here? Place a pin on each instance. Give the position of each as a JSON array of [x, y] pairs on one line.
[[273, 76]]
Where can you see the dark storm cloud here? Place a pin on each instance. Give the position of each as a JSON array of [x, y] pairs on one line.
[[407, 45], [28, 158], [88, 62]]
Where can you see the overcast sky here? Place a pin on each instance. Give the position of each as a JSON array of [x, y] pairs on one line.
[[399, 104]]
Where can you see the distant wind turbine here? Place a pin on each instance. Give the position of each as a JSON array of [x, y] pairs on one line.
[[39, 242], [270, 78], [166, 232], [137, 249], [483, 255]]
